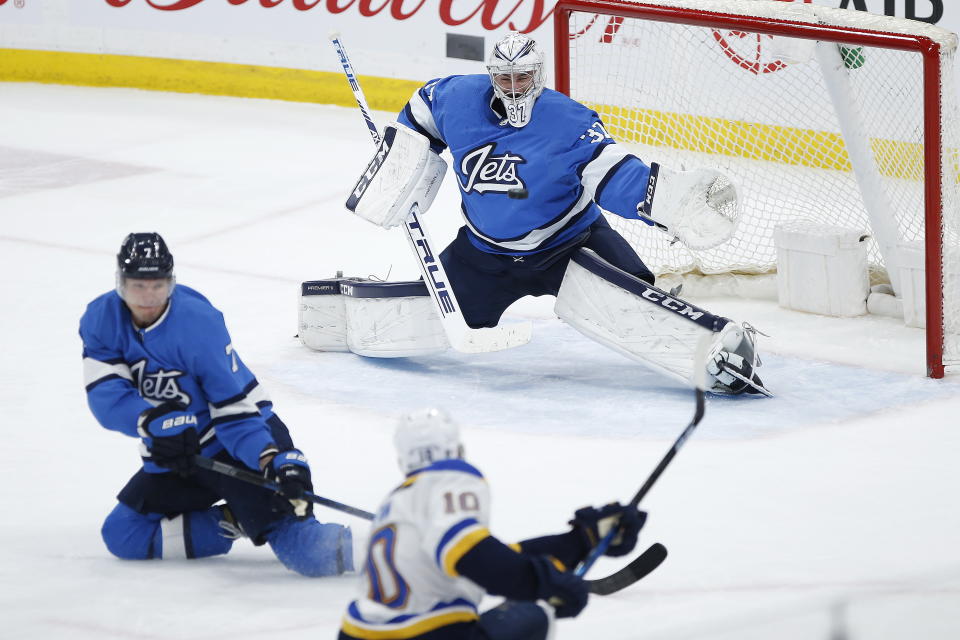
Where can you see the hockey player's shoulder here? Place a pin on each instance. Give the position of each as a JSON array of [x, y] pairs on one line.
[[454, 465], [104, 303], [192, 304], [456, 86], [561, 110], [103, 313]]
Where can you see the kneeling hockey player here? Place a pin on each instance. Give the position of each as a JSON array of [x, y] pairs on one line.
[[534, 168], [159, 365], [431, 558]]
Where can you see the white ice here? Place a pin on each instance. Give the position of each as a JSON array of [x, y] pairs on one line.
[[831, 509]]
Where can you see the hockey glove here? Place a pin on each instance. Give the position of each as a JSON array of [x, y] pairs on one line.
[[169, 432], [566, 592], [594, 524], [291, 471], [699, 207]]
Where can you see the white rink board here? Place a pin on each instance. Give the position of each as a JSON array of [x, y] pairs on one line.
[[388, 38]]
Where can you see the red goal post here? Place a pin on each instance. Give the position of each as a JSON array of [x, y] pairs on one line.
[[879, 153]]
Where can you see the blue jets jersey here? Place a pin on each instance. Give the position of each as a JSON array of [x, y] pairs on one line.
[[564, 157], [185, 355]]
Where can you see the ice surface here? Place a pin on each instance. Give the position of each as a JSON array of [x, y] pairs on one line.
[[832, 506]]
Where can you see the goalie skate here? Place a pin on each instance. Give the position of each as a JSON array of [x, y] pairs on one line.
[[732, 364]]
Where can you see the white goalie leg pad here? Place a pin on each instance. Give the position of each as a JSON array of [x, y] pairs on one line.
[[632, 317], [392, 320], [700, 207], [322, 319], [404, 172]]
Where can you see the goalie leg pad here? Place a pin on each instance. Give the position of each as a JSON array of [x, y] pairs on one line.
[[405, 172], [392, 319], [633, 317], [322, 321]]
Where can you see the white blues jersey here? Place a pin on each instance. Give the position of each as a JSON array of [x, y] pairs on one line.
[[564, 158], [410, 584], [186, 355]]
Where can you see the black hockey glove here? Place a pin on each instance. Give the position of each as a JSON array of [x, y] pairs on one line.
[[566, 592], [169, 432], [594, 524], [291, 471]]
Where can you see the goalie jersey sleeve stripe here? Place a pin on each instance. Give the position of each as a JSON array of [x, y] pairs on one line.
[[596, 174], [618, 180], [419, 116]]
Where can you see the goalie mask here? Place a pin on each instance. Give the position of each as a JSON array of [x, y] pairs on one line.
[[516, 71], [424, 437]]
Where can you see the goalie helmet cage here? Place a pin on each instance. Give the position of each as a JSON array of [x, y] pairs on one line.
[[838, 117]]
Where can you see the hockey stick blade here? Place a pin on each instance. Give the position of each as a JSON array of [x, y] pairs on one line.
[[641, 566]]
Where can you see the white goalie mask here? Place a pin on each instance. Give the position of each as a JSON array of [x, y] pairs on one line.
[[424, 437], [516, 71]]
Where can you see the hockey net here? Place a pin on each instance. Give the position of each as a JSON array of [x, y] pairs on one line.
[[824, 115]]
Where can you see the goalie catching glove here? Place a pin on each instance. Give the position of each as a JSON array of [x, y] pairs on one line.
[[700, 207], [404, 173]]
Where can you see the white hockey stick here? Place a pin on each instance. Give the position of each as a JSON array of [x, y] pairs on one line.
[[461, 337]]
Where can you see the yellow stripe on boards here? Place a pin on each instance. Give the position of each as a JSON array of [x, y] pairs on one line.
[[755, 141], [193, 76], [703, 134]]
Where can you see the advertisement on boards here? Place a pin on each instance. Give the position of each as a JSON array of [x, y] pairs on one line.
[[405, 39]]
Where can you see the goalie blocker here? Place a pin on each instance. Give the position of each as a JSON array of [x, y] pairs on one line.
[[403, 173]]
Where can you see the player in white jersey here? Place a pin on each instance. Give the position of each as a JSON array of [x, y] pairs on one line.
[[431, 557]]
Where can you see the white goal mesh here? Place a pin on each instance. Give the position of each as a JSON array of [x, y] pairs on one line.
[[827, 133]]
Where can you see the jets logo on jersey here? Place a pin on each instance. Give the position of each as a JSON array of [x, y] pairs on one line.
[[159, 385], [486, 172]]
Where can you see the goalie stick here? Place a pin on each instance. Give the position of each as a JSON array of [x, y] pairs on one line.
[[461, 337], [700, 373], [255, 478]]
